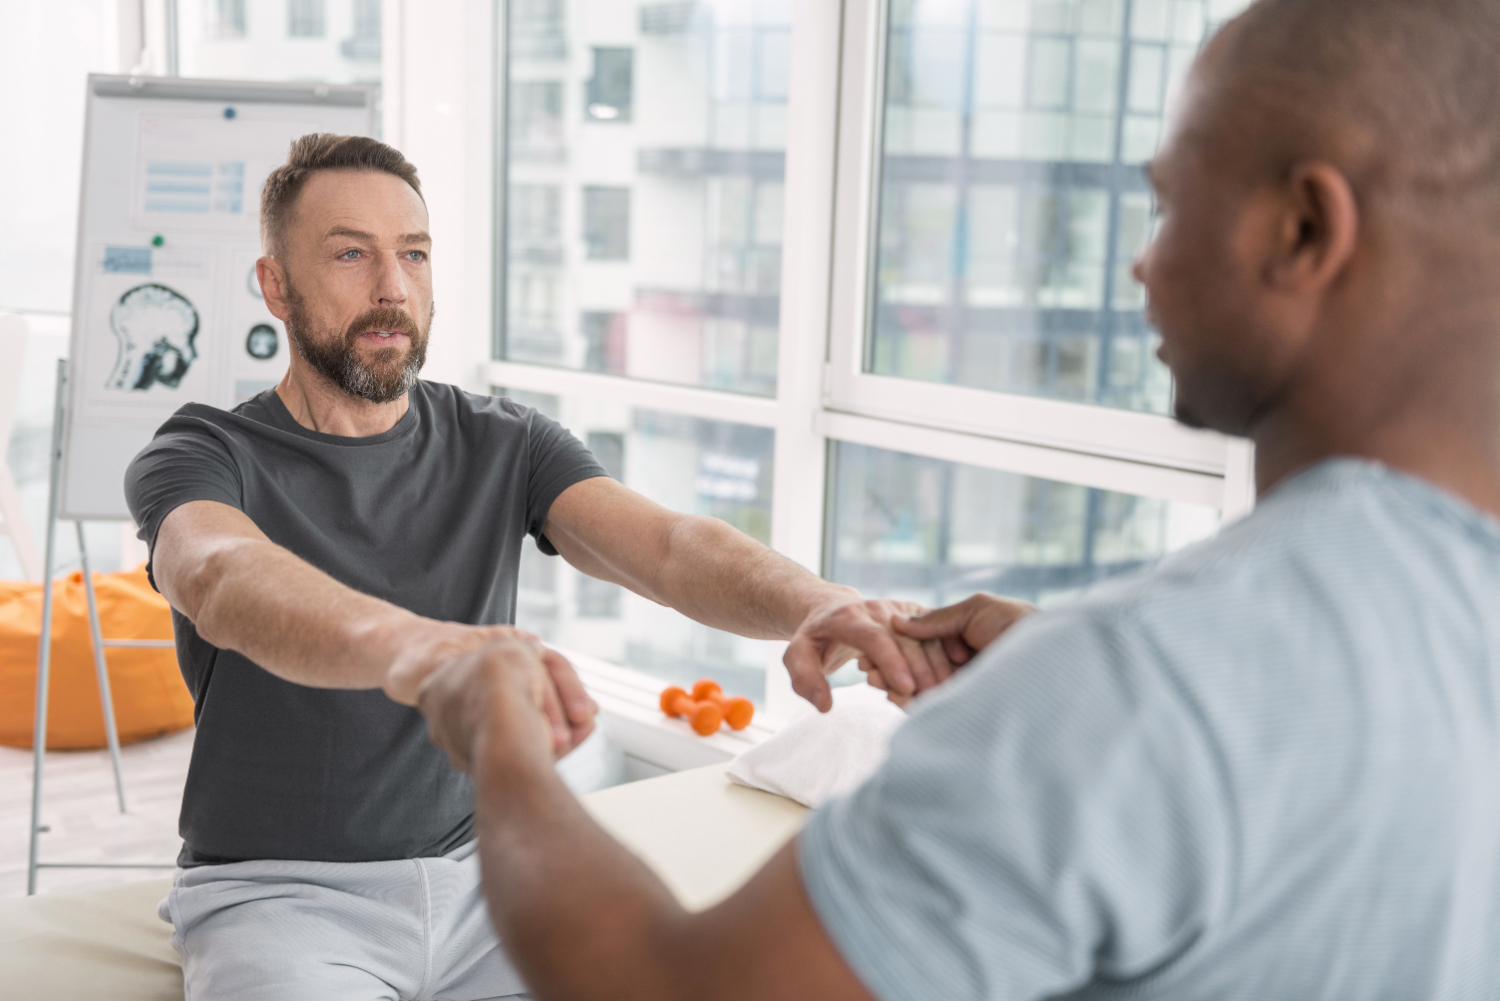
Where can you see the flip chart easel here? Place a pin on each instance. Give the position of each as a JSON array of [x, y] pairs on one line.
[[166, 306]]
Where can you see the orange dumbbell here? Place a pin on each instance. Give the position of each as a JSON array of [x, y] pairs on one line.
[[738, 711], [704, 717]]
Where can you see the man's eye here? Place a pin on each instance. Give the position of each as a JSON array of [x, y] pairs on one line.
[[417, 255], [348, 255]]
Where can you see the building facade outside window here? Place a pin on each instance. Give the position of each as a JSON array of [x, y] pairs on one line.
[[305, 18], [1011, 199], [678, 128], [330, 41]]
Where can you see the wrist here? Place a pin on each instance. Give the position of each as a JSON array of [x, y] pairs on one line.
[[825, 595], [503, 759], [814, 597]]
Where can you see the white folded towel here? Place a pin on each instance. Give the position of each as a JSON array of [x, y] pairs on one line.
[[821, 755]]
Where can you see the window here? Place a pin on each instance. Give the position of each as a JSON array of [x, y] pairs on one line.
[[677, 146], [363, 43], [604, 342], [606, 224], [304, 18], [223, 20], [911, 353], [536, 224], [610, 88], [537, 29], [331, 41], [1011, 203], [921, 529]]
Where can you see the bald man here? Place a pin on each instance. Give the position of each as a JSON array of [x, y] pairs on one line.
[[1268, 769]]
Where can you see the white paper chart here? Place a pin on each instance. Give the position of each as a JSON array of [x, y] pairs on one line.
[[167, 309]]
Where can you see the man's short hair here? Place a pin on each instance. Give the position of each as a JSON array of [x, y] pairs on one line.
[[322, 151]]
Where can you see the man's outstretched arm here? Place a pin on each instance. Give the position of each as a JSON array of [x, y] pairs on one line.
[[243, 592], [581, 917], [719, 576]]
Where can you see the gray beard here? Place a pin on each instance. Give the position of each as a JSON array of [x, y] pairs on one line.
[[336, 357]]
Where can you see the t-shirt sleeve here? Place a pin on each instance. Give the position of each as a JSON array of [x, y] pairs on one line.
[[1054, 815], [183, 463], [557, 461]]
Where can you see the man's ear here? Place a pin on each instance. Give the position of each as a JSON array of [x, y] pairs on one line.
[[271, 274], [1318, 229]]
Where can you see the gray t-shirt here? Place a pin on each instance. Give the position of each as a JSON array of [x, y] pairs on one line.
[[429, 516], [1268, 769]]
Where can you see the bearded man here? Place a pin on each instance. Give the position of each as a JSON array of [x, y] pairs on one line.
[[356, 520]]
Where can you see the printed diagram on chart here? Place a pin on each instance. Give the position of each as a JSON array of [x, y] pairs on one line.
[[146, 318], [156, 328], [257, 345], [263, 342], [204, 170], [195, 186]]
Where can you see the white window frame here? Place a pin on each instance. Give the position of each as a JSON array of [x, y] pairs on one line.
[[822, 394]]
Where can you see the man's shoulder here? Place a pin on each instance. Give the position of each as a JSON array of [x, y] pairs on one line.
[[1331, 526], [195, 422], [446, 403], [1336, 570]]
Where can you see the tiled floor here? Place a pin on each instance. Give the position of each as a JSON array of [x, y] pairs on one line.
[[78, 804]]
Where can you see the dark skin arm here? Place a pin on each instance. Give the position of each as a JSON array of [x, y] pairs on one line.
[[581, 917], [952, 636]]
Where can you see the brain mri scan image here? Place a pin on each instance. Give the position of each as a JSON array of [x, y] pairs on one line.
[[262, 342], [155, 328]]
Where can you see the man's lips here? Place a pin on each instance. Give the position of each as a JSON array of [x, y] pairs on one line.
[[383, 335]]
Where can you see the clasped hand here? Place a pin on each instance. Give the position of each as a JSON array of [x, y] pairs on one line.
[[459, 675], [470, 681], [903, 649]]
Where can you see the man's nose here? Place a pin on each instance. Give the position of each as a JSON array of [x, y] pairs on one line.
[[391, 281]]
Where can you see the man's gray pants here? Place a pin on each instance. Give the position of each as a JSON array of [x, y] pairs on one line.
[[409, 930]]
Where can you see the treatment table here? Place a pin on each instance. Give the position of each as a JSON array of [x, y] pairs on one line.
[[703, 835]]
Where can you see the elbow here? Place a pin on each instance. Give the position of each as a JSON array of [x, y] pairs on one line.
[[194, 590]]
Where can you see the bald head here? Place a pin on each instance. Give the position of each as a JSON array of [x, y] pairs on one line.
[[1399, 94], [1326, 270]]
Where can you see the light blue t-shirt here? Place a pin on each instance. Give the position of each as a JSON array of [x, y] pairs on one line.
[[1268, 769]]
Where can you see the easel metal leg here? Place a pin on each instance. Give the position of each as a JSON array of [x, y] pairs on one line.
[[101, 669], [44, 645]]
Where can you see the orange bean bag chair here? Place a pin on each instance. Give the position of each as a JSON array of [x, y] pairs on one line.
[[149, 695]]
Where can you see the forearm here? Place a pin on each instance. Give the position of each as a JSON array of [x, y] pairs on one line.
[[580, 916], [719, 576], [258, 599]]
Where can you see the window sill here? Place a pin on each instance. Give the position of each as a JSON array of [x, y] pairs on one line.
[[629, 709]]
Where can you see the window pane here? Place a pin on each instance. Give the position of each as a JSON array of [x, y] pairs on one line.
[[331, 41], [1012, 203], [644, 188], [47, 49], [935, 532], [705, 467]]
